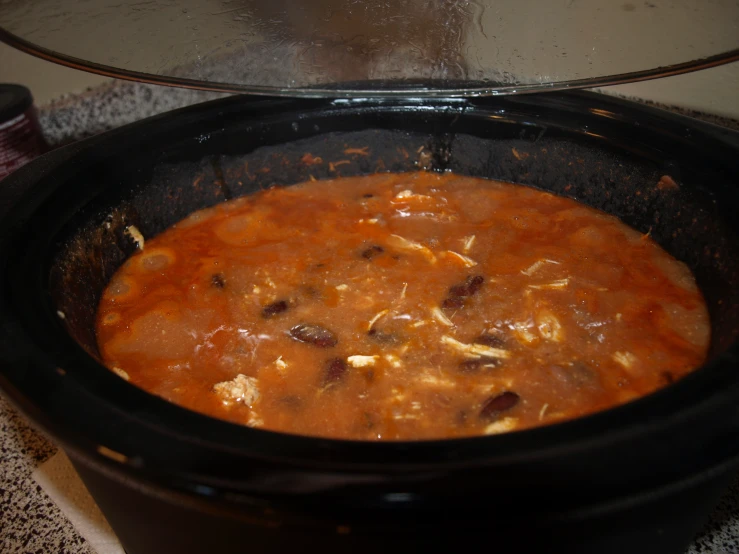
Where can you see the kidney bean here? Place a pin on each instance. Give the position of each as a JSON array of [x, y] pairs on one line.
[[487, 339], [383, 338], [271, 310], [369, 420], [576, 375], [458, 293], [472, 366], [452, 303], [310, 291], [372, 251], [494, 405], [291, 401], [218, 280], [314, 334], [336, 368], [470, 287]]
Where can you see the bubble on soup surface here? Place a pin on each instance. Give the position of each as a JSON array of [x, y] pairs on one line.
[[156, 259], [121, 288], [589, 236], [111, 318], [683, 322], [163, 332], [676, 271]]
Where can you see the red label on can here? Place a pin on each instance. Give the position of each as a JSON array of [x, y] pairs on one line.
[[20, 142]]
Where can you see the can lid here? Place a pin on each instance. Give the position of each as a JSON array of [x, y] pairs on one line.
[[14, 100]]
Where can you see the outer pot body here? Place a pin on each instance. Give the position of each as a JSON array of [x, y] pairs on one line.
[[641, 477], [150, 521]]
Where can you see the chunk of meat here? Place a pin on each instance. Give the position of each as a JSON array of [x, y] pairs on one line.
[[359, 360], [240, 389]]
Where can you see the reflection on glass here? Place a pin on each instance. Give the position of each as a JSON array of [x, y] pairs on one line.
[[284, 45]]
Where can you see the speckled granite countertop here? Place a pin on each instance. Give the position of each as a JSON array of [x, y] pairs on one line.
[[30, 521]]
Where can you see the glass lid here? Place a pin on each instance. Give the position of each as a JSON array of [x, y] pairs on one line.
[[377, 47]]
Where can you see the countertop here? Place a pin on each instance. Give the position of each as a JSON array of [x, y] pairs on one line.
[[30, 521]]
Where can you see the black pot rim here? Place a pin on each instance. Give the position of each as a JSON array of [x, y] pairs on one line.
[[692, 397]]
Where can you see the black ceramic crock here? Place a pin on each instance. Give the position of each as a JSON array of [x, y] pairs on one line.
[[638, 478]]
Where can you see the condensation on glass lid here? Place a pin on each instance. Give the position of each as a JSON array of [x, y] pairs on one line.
[[372, 47]]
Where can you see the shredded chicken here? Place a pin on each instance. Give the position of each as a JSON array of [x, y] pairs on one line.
[[523, 332], [468, 262], [626, 359], [502, 426], [439, 316], [121, 373], [361, 361], [536, 266], [404, 244], [133, 232], [393, 360], [398, 395], [410, 195], [401, 417], [437, 382], [559, 284], [468, 242], [476, 350], [375, 318], [240, 389], [549, 326]]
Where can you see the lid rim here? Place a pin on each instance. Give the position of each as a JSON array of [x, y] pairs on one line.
[[474, 89]]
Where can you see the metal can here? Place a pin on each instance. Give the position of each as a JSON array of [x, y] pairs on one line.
[[21, 139]]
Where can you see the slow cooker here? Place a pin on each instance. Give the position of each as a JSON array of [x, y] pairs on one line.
[[641, 477]]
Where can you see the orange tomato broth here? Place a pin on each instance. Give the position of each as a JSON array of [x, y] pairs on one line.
[[401, 306]]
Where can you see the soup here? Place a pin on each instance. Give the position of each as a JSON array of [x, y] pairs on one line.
[[401, 306]]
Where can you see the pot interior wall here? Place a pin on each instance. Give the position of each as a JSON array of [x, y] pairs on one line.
[[153, 186]]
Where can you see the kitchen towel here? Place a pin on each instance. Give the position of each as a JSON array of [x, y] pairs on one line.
[[60, 481]]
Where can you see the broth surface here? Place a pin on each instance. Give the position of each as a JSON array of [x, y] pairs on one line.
[[401, 306]]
